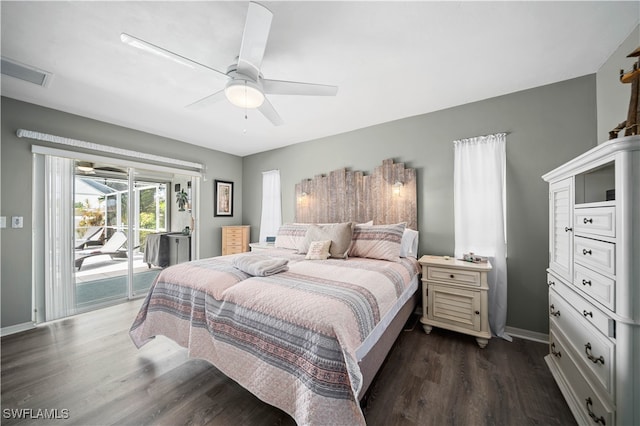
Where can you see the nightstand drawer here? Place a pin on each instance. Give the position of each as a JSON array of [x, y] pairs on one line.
[[457, 276]]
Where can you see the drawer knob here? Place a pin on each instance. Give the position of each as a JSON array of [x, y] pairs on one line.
[[477, 312], [585, 282], [550, 283], [554, 352], [587, 350], [586, 252], [585, 220], [451, 276], [591, 413], [566, 229], [553, 311], [587, 314]]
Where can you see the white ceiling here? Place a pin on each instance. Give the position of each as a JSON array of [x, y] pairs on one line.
[[390, 60]]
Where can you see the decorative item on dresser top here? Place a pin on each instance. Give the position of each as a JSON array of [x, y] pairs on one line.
[[454, 296], [594, 282], [235, 239]]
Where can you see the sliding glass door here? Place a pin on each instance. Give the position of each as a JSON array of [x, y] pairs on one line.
[[113, 218]]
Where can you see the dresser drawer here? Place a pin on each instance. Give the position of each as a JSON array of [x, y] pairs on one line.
[[597, 255], [457, 276], [588, 311], [233, 239], [586, 399], [233, 232], [595, 220], [233, 250], [595, 352], [598, 287]]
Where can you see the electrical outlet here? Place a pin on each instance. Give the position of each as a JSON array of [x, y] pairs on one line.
[[3, 221], [16, 221]]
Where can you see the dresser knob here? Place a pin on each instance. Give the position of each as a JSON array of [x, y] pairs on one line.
[[477, 312], [587, 314], [588, 220], [586, 252], [554, 352], [451, 276], [550, 283], [585, 282], [567, 229], [553, 311]]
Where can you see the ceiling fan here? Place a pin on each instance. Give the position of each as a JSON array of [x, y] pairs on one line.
[[246, 87]]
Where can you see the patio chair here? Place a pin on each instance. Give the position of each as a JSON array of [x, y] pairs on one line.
[[113, 247], [91, 237]]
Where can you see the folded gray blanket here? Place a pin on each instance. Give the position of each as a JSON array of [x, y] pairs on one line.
[[259, 265]]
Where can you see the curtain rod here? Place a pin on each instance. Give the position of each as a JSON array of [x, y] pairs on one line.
[[481, 137], [30, 134]]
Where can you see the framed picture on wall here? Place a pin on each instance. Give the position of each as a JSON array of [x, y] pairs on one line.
[[223, 196]]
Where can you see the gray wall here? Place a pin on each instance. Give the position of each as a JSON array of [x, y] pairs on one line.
[[613, 96], [546, 127], [16, 188]]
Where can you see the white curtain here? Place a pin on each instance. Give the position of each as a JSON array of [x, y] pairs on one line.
[[480, 214], [59, 228], [271, 205]]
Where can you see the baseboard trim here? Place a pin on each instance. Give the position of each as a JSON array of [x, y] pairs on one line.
[[17, 328], [527, 334]]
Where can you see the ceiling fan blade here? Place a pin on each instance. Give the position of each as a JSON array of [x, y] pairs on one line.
[[162, 52], [207, 100], [254, 40], [278, 87], [270, 113]]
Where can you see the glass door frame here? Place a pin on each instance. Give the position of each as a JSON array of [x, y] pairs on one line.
[[131, 165]]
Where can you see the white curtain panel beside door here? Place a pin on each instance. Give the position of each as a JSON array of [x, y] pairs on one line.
[[59, 290]]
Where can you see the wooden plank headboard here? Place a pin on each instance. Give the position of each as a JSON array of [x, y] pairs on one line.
[[344, 196]]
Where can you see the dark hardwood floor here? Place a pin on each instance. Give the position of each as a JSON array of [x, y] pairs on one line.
[[86, 371]]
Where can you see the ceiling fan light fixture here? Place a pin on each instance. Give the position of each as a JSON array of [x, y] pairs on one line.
[[244, 93], [84, 166]]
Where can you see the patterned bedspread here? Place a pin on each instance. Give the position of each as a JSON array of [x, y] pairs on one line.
[[289, 338]]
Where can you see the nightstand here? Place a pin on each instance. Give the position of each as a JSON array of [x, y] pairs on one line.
[[261, 246], [455, 296]]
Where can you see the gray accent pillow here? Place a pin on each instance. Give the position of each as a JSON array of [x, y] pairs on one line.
[[339, 233]]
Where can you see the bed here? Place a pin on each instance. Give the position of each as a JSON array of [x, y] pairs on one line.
[[308, 339]]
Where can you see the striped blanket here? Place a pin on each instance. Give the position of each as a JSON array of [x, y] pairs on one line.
[[289, 338]]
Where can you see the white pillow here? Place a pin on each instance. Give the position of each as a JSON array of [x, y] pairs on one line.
[[409, 244]]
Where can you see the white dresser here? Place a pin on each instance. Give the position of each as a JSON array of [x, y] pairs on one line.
[[594, 282]]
